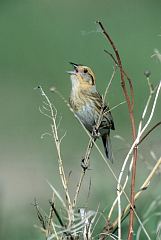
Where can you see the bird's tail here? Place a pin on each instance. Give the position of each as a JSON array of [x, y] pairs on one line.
[[107, 146]]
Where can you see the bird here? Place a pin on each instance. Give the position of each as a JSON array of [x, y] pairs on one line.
[[88, 105]]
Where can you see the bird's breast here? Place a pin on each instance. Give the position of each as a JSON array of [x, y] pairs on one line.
[[85, 107], [86, 114]]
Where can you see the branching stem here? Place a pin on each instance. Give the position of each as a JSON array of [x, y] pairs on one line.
[[60, 161], [131, 114]]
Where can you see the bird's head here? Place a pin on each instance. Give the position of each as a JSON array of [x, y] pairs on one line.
[[82, 77]]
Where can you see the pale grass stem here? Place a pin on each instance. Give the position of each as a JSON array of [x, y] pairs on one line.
[[139, 129], [140, 132], [52, 116]]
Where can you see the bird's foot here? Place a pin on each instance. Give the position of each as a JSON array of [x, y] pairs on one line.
[[95, 132]]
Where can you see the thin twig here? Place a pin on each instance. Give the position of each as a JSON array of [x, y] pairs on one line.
[[153, 128], [40, 216], [56, 213], [60, 162], [142, 189], [84, 168], [138, 134], [130, 109], [50, 218], [126, 75]]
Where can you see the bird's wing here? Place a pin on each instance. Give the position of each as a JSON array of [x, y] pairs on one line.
[[107, 120], [107, 115]]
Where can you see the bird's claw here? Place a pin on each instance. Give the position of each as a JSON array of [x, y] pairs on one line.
[[95, 132]]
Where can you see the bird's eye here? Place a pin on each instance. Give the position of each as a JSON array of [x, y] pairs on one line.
[[76, 69], [85, 70]]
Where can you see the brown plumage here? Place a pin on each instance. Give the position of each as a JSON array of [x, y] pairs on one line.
[[87, 104]]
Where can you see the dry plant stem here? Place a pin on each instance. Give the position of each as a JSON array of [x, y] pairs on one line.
[[147, 105], [125, 162], [83, 172], [130, 109], [48, 232], [142, 129], [142, 188], [40, 217], [153, 109], [90, 144], [57, 214], [60, 162], [129, 80], [155, 126], [140, 132]]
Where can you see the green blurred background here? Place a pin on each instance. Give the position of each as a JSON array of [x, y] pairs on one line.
[[37, 40]]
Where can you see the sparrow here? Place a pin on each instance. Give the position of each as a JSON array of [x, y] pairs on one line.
[[88, 105]]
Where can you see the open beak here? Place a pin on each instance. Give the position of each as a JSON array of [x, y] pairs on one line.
[[71, 72], [75, 65]]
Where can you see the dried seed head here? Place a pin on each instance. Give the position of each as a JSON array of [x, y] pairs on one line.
[[147, 73]]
